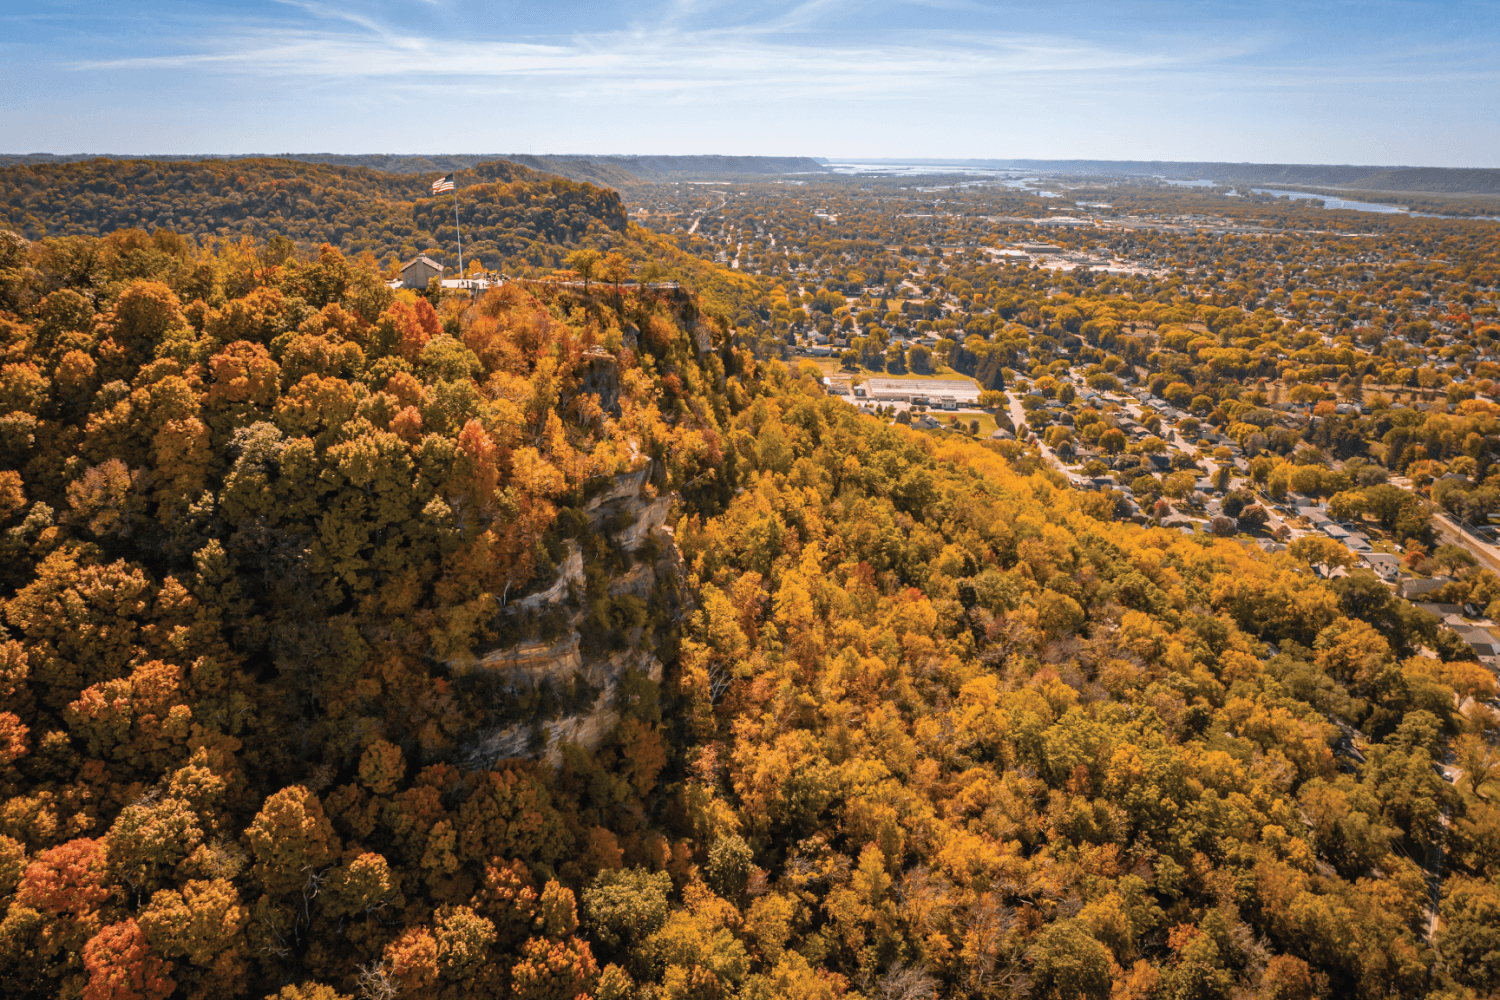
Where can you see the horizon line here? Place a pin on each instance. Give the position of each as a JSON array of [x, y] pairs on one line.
[[825, 160]]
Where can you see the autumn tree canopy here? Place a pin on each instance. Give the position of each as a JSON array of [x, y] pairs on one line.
[[548, 644]]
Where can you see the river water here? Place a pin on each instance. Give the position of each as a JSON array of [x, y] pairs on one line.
[[894, 169], [1028, 180], [1331, 202]]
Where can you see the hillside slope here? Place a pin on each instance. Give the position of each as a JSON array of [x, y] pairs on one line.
[[547, 646], [605, 170], [509, 213]]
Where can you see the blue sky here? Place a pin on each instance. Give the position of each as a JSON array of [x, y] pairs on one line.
[[1379, 81]]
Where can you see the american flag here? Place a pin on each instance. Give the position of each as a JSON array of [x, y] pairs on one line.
[[442, 184]]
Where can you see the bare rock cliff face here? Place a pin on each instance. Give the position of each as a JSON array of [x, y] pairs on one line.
[[556, 675]]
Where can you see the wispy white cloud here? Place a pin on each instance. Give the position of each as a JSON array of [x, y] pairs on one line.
[[331, 12], [1146, 78], [771, 56], [749, 62]]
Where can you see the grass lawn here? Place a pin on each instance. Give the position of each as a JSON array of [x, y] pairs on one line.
[[941, 373], [987, 425], [831, 366], [944, 431]]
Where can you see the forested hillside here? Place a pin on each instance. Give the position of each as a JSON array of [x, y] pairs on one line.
[[307, 584], [606, 171], [512, 217]]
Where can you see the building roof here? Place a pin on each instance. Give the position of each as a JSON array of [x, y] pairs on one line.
[[1480, 640], [422, 258], [959, 389]]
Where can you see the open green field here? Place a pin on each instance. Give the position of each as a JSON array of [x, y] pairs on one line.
[[987, 425], [831, 366]]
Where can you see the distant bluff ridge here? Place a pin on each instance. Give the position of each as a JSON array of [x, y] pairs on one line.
[[513, 216], [1432, 180], [622, 171], [607, 170]]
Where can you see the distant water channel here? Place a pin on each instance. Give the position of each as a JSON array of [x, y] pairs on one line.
[[1010, 177], [1027, 180], [893, 169], [1330, 202]]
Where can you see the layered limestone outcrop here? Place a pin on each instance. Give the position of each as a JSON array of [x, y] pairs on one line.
[[631, 515]]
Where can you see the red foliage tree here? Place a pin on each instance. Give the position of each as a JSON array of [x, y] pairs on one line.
[[413, 959], [12, 739], [554, 970], [508, 897], [70, 878], [407, 327], [121, 966]]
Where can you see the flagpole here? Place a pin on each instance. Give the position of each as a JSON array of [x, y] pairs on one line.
[[460, 232]]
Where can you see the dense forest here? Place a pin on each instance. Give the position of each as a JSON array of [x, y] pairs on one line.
[[548, 644], [512, 217], [606, 171]]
